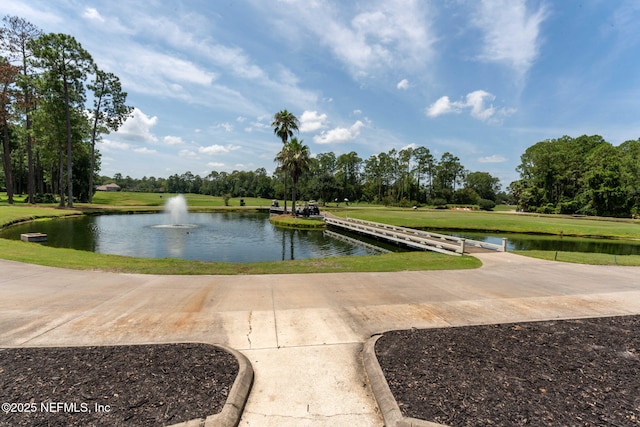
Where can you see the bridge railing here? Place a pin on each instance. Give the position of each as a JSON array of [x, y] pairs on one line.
[[415, 238]]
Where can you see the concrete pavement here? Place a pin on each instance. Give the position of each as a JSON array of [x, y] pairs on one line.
[[303, 334]]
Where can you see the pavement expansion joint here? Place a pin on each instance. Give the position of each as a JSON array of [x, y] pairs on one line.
[[250, 329]]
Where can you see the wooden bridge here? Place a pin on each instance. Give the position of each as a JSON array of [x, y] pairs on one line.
[[417, 239]]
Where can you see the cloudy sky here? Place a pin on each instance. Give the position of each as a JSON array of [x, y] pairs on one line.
[[483, 80]]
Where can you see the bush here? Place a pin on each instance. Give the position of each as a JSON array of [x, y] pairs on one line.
[[486, 204], [439, 203], [387, 201], [548, 209], [568, 208], [404, 203], [45, 198]]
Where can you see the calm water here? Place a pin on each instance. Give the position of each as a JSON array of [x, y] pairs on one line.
[[527, 242], [229, 237], [250, 237]]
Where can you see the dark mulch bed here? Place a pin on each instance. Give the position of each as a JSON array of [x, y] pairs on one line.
[[558, 373], [143, 385]]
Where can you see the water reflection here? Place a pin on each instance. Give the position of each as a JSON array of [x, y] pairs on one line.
[[228, 237], [249, 237]]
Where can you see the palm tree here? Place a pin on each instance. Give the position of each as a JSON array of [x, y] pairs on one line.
[[284, 124], [295, 160]]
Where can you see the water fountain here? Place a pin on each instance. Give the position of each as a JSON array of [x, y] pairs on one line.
[[176, 207], [177, 213]]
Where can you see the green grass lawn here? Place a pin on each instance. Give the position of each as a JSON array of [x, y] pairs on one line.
[[297, 222], [584, 257], [18, 213], [127, 198], [81, 260]]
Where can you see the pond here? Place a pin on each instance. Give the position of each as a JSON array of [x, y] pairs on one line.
[[226, 237], [250, 237], [528, 242]]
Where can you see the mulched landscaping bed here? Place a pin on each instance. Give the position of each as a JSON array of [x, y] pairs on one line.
[[141, 385], [558, 373]]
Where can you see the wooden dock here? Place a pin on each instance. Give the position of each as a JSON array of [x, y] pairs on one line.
[[412, 238]]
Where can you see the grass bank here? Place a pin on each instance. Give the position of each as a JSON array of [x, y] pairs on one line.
[[81, 260], [10, 215]]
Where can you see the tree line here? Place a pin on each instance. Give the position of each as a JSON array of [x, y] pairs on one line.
[[48, 126], [406, 177], [585, 175]]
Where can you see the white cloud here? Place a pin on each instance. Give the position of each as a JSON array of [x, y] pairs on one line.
[[261, 123], [37, 14], [339, 134], [173, 140], [476, 102], [138, 127], [218, 149], [511, 32], [413, 146], [226, 126], [311, 121], [496, 158], [144, 150], [172, 68], [214, 165], [188, 154], [368, 37], [92, 14], [442, 106], [403, 84], [110, 145]]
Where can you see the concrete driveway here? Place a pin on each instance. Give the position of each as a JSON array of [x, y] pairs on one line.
[[302, 333]]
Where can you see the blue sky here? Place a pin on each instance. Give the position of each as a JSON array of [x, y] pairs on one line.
[[483, 80]]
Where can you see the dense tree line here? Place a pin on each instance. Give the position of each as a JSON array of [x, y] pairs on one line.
[[407, 177], [584, 175], [48, 128], [402, 178]]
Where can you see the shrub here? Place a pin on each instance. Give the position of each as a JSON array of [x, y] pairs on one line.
[[404, 203], [568, 208], [486, 204], [387, 201], [439, 203], [45, 198], [547, 209]]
